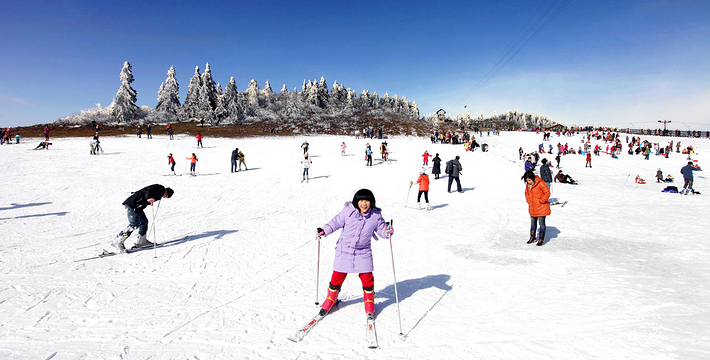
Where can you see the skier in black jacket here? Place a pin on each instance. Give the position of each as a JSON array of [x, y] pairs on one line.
[[135, 204]]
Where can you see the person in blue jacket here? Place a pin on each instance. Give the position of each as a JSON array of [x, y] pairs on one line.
[[687, 172]]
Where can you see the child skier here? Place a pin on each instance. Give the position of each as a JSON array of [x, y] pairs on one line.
[[342, 149], [423, 182], [193, 161], [171, 163], [426, 157], [241, 161], [199, 140], [360, 220], [306, 165]]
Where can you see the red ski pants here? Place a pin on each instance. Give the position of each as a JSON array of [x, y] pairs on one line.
[[368, 280]]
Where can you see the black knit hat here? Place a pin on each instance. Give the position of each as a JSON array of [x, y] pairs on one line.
[[364, 194]]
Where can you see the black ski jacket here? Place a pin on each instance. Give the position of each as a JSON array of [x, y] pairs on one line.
[[139, 199]]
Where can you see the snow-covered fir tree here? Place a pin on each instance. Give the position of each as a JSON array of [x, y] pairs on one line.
[[124, 107], [322, 94], [191, 106], [230, 101], [169, 95]]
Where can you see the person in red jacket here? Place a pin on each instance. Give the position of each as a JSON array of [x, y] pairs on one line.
[[199, 140], [171, 163], [426, 157], [423, 182], [589, 160], [537, 195]]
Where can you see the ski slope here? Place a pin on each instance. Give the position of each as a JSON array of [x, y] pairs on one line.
[[623, 274]]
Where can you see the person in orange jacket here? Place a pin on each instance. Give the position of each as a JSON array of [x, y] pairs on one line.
[[193, 162], [423, 182], [537, 194]]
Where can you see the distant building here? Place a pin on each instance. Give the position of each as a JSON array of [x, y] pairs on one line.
[[441, 116]]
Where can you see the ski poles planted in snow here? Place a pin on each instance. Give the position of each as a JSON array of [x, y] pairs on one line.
[[396, 296]]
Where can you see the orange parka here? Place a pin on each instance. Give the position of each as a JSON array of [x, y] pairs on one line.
[[423, 182], [537, 198]]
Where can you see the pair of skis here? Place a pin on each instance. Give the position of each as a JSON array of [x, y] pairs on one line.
[[107, 253], [370, 331]]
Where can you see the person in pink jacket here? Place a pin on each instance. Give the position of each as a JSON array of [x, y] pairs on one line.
[[360, 221], [342, 149]]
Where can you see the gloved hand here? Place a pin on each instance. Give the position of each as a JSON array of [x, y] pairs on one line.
[[389, 230], [321, 233]]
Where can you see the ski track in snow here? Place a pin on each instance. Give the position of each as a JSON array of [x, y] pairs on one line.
[[621, 274]]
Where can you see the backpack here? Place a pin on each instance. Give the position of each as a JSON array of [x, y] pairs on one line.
[[449, 167]]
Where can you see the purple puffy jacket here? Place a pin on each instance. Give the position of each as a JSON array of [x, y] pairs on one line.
[[353, 253]]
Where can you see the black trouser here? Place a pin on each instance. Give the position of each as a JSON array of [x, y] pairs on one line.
[[688, 184], [426, 195], [458, 183]]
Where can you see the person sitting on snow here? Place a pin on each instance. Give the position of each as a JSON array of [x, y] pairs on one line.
[[565, 179]]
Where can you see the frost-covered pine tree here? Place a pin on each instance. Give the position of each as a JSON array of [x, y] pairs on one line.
[[230, 100], [284, 90], [322, 94], [169, 95], [191, 105], [253, 93], [386, 102], [124, 107], [209, 87]]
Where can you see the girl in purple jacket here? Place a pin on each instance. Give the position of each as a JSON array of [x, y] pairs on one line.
[[360, 220]]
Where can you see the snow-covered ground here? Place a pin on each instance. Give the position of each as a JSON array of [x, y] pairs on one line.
[[624, 273]]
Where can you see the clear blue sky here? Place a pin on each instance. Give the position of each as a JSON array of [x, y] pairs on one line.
[[624, 63]]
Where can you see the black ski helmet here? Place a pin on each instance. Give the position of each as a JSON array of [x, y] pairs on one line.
[[364, 194]]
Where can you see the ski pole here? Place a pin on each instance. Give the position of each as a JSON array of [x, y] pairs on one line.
[[408, 191], [155, 213], [396, 296], [317, 269]]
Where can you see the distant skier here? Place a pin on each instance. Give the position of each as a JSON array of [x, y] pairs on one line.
[[46, 132], [537, 195], [589, 161], [149, 130], [193, 163], [436, 168], [139, 131], [306, 162], [342, 149], [169, 129], [360, 221], [304, 146], [199, 140], [135, 204], [659, 176], [171, 163], [423, 182]]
